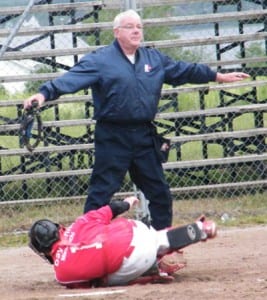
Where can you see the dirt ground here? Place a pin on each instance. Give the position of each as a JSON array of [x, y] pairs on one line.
[[232, 266]]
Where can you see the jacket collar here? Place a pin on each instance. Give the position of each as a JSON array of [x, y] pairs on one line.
[[118, 47]]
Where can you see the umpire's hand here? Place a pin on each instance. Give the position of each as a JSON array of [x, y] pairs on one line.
[[37, 97], [231, 77]]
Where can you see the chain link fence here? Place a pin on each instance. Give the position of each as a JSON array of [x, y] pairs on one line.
[[217, 132]]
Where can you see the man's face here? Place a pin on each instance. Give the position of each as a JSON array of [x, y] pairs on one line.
[[130, 33]]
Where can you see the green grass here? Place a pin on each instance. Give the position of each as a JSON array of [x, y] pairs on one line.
[[242, 211]]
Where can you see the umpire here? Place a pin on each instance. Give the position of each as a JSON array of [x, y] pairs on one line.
[[126, 81]]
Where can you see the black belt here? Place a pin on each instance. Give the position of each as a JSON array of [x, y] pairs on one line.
[[126, 124]]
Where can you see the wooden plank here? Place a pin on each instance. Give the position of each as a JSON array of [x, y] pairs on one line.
[[30, 77], [240, 61], [178, 2], [190, 88], [167, 166], [51, 76], [245, 185], [166, 92], [174, 139], [42, 200], [44, 175], [213, 87], [218, 136], [20, 55], [166, 116], [207, 41], [162, 44], [214, 161], [61, 100], [166, 21], [107, 4], [48, 149], [51, 7], [24, 31], [218, 111], [207, 18], [62, 123]]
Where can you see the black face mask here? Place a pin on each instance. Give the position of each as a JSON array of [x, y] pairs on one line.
[[44, 256]]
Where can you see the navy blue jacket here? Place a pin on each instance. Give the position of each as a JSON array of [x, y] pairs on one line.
[[124, 92]]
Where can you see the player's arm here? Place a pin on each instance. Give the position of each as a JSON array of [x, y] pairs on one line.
[[108, 212], [118, 207]]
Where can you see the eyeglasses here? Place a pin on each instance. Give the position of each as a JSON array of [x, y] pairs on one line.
[[131, 27]]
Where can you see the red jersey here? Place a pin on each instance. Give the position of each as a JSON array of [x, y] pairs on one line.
[[92, 247]]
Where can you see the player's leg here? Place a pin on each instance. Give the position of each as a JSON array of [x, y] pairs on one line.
[[170, 258], [177, 238], [142, 258]]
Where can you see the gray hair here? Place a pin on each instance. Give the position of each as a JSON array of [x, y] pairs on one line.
[[124, 14]]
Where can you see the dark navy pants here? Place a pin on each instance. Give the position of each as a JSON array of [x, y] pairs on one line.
[[129, 147]]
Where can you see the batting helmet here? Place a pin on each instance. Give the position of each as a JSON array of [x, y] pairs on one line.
[[43, 234]]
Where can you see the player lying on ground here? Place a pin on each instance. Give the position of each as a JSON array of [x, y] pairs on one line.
[[101, 249]]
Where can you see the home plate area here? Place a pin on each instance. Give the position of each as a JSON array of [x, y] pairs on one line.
[[231, 266]]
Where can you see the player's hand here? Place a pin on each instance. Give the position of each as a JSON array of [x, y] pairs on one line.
[[132, 200], [37, 97]]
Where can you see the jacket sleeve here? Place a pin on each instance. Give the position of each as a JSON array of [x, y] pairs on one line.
[[80, 76], [181, 72]]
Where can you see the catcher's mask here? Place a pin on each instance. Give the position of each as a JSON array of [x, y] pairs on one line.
[[43, 234]]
